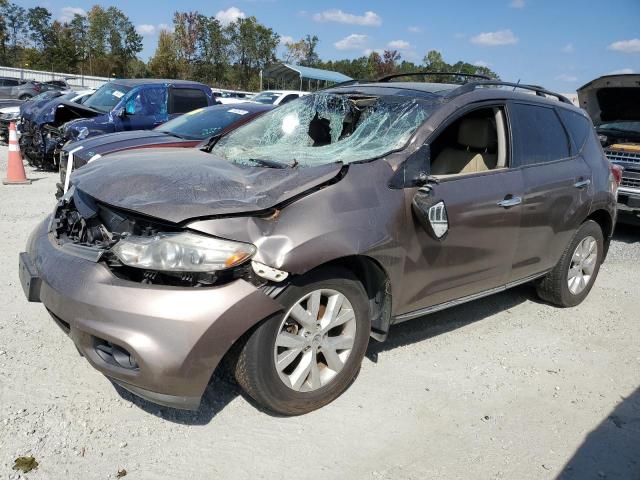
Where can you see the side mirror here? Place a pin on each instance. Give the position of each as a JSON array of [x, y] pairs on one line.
[[119, 112], [414, 172], [431, 214]]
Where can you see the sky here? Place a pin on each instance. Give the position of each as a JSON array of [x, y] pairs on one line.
[[559, 44]]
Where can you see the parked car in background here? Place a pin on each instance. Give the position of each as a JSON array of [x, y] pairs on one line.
[[231, 96], [613, 103], [188, 130], [20, 89], [315, 226], [120, 105], [277, 97]]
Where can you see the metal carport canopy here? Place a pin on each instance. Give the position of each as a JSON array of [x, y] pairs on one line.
[[295, 72]]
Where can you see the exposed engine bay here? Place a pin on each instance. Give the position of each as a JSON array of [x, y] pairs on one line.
[[84, 227]]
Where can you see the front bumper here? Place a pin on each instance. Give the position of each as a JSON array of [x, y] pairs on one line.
[[175, 335]]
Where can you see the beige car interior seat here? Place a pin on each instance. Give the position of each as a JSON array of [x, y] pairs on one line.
[[476, 136]]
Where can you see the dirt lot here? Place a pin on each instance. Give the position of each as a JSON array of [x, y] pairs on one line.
[[505, 387]]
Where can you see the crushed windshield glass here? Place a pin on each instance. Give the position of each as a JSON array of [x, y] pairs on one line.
[[106, 97], [325, 128]]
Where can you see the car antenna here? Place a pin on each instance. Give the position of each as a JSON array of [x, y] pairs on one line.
[[517, 83]]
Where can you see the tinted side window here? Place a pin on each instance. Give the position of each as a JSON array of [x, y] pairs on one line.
[[538, 135], [578, 127], [184, 100], [288, 98], [8, 82]]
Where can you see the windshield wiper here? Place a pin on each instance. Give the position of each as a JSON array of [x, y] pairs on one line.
[[171, 134]]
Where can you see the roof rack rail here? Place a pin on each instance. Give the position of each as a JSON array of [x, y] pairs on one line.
[[386, 78], [539, 91]]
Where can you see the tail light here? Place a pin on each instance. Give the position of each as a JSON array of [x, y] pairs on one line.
[[616, 173], [37, 87]]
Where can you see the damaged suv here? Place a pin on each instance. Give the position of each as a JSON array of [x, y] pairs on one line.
[[301, 234], [613, 103], [120, 105]]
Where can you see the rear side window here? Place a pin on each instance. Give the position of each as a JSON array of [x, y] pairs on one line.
[[288, 98], [183, 100], [538, 135], [8, 82], [577, 126]]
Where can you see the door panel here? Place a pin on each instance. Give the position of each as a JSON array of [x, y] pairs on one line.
[[554, 205], [477, 251], [556, 187], [149, 109]]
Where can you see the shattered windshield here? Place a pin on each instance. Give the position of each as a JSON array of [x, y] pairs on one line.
[[106, 97], [324, 128]]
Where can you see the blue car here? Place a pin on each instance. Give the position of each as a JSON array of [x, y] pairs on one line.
[[120, 105]]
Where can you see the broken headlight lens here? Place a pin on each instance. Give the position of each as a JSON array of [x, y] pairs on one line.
[[83, 132], [182, 252]]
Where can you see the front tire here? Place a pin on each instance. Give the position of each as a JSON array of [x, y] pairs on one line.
[[570, 281], [302, 359]]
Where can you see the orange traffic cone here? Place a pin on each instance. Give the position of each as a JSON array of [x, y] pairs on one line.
[[15, 167]]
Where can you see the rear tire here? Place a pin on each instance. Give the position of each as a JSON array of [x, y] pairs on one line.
[[25, 97], [289, 389], [570, 281]]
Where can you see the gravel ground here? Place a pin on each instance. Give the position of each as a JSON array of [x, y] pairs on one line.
[[505, 388]]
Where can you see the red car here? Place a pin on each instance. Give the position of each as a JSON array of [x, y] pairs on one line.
[[188, 130]]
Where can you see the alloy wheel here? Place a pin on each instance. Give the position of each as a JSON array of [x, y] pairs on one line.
[[314, 340], [583, 263]]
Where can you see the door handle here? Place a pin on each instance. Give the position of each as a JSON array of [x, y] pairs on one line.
[[510, 201], [582, 183]]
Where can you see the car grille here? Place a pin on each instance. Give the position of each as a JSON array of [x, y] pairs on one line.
[[621, 156], [630, 182]]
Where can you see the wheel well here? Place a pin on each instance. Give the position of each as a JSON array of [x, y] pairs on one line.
[[603, 218], [376, 283]]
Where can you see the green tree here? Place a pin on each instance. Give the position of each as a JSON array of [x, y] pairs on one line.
[[187, 27], [39, 23], [253, 46], [165, 63], [212, 58], [15, 20], [3, 33], [79, 26], [303, 52]]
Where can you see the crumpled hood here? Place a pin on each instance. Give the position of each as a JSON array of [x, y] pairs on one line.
[[31, 108], [176, 184], [52, 111], [113, 142], [611, 98]]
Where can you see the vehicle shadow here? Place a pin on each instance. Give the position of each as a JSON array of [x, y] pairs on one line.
[[612, 449], [222, 388], [434, 324], [627, 228]]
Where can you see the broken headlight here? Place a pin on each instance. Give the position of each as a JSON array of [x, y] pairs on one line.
[[83, 132], [181, 252]]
